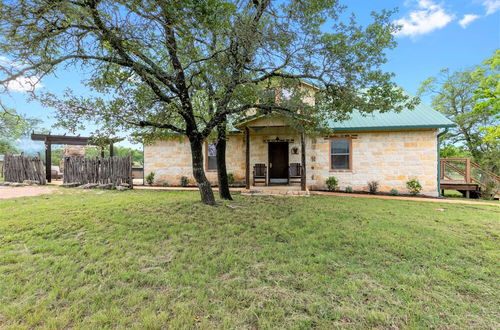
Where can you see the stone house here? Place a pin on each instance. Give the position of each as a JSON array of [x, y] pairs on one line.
[[389, 147]]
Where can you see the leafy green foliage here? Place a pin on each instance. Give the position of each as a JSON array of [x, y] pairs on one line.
[[487, 94], [184, 181], [230, 178], [373, 187], [453, 151], [93, 151], [12, 127], [394, 192], [348, 189], [414, 186], [491, 189], [332, 183], [137, 156], [470, 99], [150, 178]]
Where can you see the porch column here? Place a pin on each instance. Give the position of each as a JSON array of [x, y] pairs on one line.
[[48, 160], [247, 158], [303, 161]]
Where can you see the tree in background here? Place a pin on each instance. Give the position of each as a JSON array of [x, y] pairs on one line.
[[12, 127], [137, 157], [93, 151], [487, 96], [469, 99], [186, 67]]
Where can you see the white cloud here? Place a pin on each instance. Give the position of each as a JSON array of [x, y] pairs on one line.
[[24, 84], [426, 18], [467, 19], [4, 61], [492, 6]]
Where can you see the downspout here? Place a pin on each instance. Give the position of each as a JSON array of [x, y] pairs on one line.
[[439, 161]]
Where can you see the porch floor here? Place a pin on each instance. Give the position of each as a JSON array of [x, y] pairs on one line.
[[289, 190]]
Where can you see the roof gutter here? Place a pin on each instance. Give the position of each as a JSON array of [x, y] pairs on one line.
[[394, 127], [439, 160]]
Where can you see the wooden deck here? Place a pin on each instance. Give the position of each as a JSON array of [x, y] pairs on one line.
[[467, 177]]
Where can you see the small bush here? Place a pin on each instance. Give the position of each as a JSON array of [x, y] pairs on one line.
[[414, 186], [394, 192], [184, 181], [165, 184], [372, 187], [230, 178], [150, 179], [332, 183], [348, 189], [488, 192]]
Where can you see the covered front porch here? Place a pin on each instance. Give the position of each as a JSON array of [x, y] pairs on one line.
[[275, 154]]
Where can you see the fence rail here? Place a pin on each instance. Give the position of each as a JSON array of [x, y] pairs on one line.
[[463, 170], [468, 177], [113, 170], [18, 168]]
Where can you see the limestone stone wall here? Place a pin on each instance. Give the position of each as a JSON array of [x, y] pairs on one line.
[[391, 158], [170, 159], [259, 145]]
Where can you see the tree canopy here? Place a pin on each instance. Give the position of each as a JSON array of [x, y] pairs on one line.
[[12, 127], [470, 99], [186, 66]]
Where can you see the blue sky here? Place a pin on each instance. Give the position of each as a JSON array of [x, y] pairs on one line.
[[454, 34]]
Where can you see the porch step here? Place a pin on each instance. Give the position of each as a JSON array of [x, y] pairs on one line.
[[274, 192]]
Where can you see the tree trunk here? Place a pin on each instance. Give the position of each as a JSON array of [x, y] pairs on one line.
[[206, 192], [224, 192]]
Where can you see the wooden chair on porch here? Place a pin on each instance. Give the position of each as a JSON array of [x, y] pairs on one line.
[[260, 174], [294, 173]]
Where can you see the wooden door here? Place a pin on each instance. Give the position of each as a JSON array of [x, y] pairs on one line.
[[278, 161]]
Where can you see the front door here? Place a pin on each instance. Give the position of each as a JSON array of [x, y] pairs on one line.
[[278, 162]]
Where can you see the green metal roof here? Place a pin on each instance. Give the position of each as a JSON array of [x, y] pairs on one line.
[[423, 116]]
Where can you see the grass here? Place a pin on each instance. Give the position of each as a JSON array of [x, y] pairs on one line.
[[146, 259], [455, 194]]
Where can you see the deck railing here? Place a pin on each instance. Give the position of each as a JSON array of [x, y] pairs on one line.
[[463, 170]]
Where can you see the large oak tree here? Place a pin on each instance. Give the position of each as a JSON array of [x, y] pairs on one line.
[[186, 67]]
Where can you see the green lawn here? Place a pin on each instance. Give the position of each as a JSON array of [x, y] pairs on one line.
[[146, 259]]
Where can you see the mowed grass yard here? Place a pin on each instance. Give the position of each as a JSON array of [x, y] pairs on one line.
[[156, 259]]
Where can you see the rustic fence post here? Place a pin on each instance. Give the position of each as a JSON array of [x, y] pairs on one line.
[[20, 168]]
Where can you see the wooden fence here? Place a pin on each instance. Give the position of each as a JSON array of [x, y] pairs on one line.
[[18, 168], [114, 170]]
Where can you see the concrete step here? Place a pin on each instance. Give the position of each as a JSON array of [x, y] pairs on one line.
[[274, 192]]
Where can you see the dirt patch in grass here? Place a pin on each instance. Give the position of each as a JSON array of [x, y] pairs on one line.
[[14, 192]]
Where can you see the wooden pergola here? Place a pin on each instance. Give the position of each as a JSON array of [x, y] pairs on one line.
[[50, 139]]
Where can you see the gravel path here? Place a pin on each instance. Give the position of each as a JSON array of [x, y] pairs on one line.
[[12, 192]]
